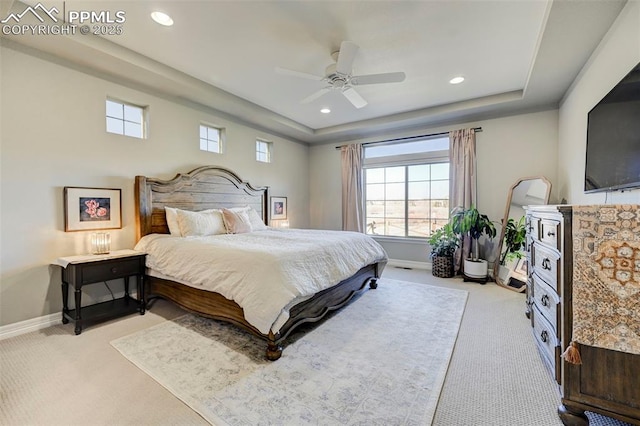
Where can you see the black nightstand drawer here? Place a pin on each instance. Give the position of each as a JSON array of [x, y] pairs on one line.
[[111, 269]]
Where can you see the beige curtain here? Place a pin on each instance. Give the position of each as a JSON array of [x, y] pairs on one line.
[[352, 192], [462, 179]]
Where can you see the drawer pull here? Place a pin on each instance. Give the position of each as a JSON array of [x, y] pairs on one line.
[[551, 234], [544, 336], [114, 270], [546, 264], [545, 300]]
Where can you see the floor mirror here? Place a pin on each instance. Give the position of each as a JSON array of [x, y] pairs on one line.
[[510, 269]]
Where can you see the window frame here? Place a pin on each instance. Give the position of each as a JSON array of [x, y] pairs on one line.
[[123, 120], [221, 138], [268, 153], [403, 160]]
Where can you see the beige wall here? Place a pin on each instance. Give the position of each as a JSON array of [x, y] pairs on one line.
[[53, 135], [507, 149], [617, 54]]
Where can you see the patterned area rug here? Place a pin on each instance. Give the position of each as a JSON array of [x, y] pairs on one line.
[[380, 360]]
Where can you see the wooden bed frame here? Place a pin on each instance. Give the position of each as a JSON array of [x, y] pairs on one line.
[[212, 187]]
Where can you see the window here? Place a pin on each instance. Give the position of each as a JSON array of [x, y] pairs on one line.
[[125, 119], [407, 188], [210, 139], [263, 151]]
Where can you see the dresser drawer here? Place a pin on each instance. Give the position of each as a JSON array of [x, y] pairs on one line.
[[549, 231], [546, 300], [532, 227], [546, 263], [111, 269], [546, 341]]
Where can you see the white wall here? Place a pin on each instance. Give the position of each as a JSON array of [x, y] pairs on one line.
[[616, 55], [507, 149], [53, 135]]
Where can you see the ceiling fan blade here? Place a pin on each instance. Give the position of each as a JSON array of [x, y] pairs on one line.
[[389, 77], [285, 71], [348, 51], [354, 97], [315, 95]]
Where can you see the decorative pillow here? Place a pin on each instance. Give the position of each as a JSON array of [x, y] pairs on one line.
[[206, 222], [172, 221], [236, 222], [256, 221]]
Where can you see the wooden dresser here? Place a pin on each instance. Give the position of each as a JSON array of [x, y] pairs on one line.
[[607, 382]]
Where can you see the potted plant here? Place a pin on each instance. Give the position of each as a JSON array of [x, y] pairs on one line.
[[444, 243], [470, 222], [515, 235]]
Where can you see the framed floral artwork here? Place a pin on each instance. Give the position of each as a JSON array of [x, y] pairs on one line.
[[278, 208], [87, 209]]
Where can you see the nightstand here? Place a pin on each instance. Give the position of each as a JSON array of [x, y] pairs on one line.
[[80, 271]]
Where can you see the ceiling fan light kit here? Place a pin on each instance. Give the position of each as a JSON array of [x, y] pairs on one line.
[[339, 76]]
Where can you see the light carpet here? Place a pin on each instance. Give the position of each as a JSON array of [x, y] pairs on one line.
[[380, 360]]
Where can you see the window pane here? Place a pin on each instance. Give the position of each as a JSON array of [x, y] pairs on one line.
[[419, 209], [213, 147], [133, 114], [418, 190], [440, 189], [419, 228], [203, 144], [394, 209], [375, 175], [375, 209], [440, 171], [440, 209], [114, 109], [420, 172], [115, 126], [394, 227], [394, 174], [375, 226], [375, 192], [394, 191], [414, 147], [133, 129], [203, 132]]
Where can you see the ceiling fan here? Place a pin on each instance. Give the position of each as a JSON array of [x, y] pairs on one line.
[[338, 76]]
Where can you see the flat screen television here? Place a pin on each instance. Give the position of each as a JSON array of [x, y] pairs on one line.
[[613, 138]]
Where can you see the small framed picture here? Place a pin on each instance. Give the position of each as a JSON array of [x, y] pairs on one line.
[[521, 267], [88, 209], [278, 208]]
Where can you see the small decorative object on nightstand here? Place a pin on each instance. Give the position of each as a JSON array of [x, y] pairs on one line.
[[91, 269]]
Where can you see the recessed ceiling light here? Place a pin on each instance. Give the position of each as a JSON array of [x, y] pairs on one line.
[[325, 110], [162, 18], [456, 80]]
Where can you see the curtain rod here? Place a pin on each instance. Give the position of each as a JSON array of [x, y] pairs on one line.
[[390, 141]]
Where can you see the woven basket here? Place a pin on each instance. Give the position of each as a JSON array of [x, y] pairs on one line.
[[442, 266]]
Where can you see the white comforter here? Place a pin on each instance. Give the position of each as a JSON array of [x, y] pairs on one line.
[[265, 272]]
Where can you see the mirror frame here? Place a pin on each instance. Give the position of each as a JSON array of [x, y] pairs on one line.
[[496, 266]]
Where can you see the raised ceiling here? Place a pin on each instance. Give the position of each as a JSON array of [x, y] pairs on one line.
[[515, 56]]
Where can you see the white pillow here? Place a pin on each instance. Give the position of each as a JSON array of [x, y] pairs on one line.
[[172, 221], [256, 221], [254, 218], [206, 222]]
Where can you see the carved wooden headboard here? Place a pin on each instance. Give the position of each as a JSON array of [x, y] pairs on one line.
[[207, 187]]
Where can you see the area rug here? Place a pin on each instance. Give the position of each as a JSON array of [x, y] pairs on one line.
[[382, 359]]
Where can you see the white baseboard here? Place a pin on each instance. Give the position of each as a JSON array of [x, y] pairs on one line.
[[410, 264], [26, 326], [34, 324]]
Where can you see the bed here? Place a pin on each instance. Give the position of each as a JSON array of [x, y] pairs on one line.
[[212, 187]]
